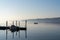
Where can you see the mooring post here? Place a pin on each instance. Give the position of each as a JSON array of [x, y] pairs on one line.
[[26, 28], [19, 27], [13, 32], [25, 23], [6, 29], [16, 26], [13, 23]]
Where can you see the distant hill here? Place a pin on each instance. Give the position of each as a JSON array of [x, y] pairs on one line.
[[46, 20]]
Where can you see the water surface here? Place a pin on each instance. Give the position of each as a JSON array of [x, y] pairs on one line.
[[40, 31]]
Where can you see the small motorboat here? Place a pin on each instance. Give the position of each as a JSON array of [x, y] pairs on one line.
[[35, 23]]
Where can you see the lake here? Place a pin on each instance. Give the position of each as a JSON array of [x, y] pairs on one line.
[[40, 31]]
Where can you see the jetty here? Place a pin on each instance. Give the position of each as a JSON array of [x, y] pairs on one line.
[[14, 28]]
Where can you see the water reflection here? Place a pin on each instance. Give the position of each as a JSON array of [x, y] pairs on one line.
[[14, 33]]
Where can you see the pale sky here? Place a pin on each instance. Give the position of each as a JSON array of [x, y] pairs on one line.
[[29, 9]]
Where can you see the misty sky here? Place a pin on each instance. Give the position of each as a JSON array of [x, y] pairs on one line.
[[28, 9]]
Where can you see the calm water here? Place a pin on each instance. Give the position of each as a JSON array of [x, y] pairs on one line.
[[41, 31]]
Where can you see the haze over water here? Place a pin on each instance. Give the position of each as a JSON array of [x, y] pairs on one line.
[[29, 9]]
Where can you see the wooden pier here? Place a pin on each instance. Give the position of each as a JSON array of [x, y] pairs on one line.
[[17, 28], [4, 28], [14, 28]]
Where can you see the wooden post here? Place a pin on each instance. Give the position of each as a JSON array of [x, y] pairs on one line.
[[16, 25], [25, 23], [13, 32], [19, 27], [6, 29], [13, 23], [19, 23], [26, 28]]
